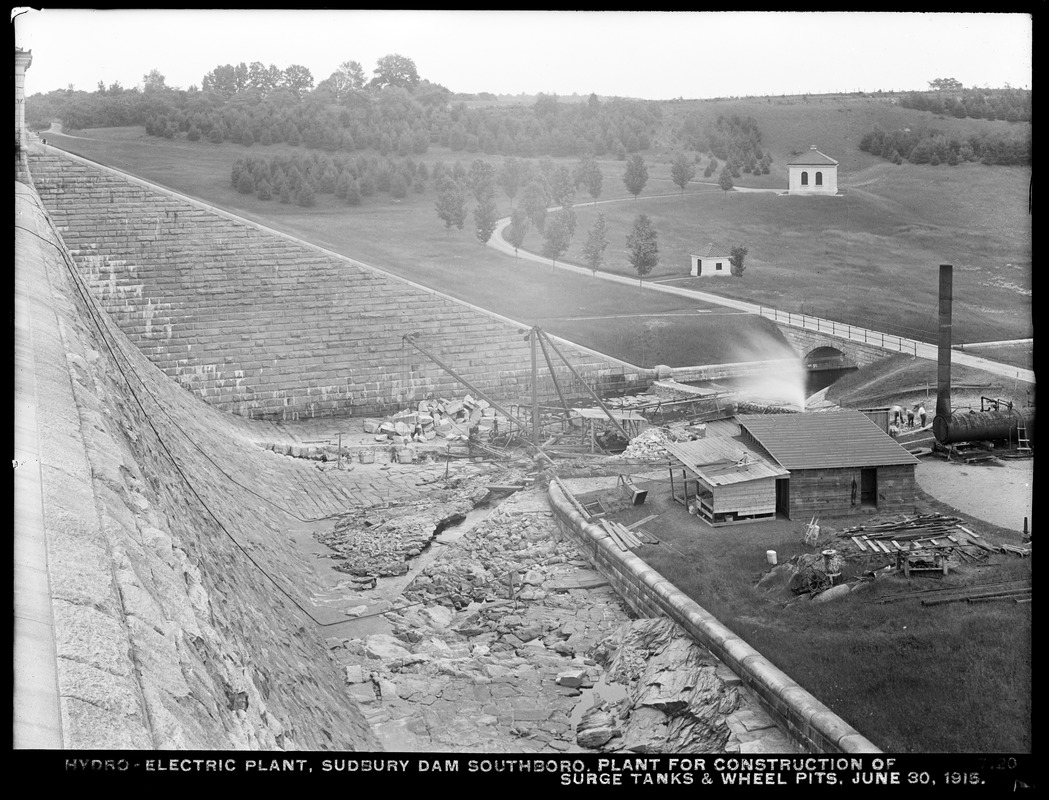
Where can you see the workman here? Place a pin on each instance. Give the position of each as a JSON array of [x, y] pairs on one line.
[[910, 417], [921, 414]]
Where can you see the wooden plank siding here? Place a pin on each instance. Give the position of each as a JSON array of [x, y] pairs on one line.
[[829, 491]]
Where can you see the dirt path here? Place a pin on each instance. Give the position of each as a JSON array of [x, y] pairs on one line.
[[1002, 493]]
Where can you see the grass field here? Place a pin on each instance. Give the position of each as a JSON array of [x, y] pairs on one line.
[[952, 678]]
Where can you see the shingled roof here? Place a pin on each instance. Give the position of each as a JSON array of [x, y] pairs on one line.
[[825, 440], [714, 251], [812, 158]]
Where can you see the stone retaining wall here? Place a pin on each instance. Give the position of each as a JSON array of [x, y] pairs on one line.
[[810, 723], [267, 326]]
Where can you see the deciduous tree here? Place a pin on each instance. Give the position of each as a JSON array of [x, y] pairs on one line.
[[534, 201], [558, 233], [682, 170], [589, 175], [485, 217], [596, 242], [510, 177], [451, 203], [636, 175], [297, 79], [395, 70], [516, 230], [642, 246], [481, 178]]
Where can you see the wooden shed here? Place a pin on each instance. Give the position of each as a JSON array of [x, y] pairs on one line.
[[840, 462], [723, 480]]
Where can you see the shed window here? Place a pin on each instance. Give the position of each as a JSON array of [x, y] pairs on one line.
[[819, 178], [717, 266], [804, 179]]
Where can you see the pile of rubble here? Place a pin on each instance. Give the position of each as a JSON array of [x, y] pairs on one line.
[[514, 560], [679, 698], [648, 445], [379, 542], [504, 642], [448, 419]]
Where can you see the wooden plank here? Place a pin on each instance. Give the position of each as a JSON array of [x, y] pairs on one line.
[[647, 537], [612, 534], [640, 522], [626, 535], [859, 544]]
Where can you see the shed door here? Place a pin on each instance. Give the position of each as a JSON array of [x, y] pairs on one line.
[[869, 487], [783, 497]]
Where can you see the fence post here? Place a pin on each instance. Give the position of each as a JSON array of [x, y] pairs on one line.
[[883, 340]]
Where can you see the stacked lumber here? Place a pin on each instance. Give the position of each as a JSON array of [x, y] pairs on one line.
[[932, 533], [620, 534]]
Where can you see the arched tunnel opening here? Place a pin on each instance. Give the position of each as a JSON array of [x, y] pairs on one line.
[[827, 358]]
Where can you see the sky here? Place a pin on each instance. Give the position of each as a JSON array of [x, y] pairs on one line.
[[650, 55]]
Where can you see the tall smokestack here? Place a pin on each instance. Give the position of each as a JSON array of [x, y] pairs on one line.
[[943, 371]]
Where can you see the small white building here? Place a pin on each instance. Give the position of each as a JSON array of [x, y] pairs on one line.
[[812, 172], [714, 260]]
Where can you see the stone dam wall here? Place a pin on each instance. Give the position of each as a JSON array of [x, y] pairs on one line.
[[266, 326], [172, 624]]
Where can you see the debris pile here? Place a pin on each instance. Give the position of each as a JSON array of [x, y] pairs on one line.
[[380, 541], [450, 420], [517, 558], [648, 446], [679, 695]]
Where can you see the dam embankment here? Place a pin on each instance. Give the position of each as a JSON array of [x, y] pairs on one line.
[[156, 575], [266, 326]]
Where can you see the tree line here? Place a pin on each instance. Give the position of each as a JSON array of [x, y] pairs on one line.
[[396, 111], [935, 147], [949, 98]]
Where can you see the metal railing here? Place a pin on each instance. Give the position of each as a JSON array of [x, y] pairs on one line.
[[846, 330]]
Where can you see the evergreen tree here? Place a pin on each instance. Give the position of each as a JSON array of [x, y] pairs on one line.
[[737, 254], [725, 181]]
